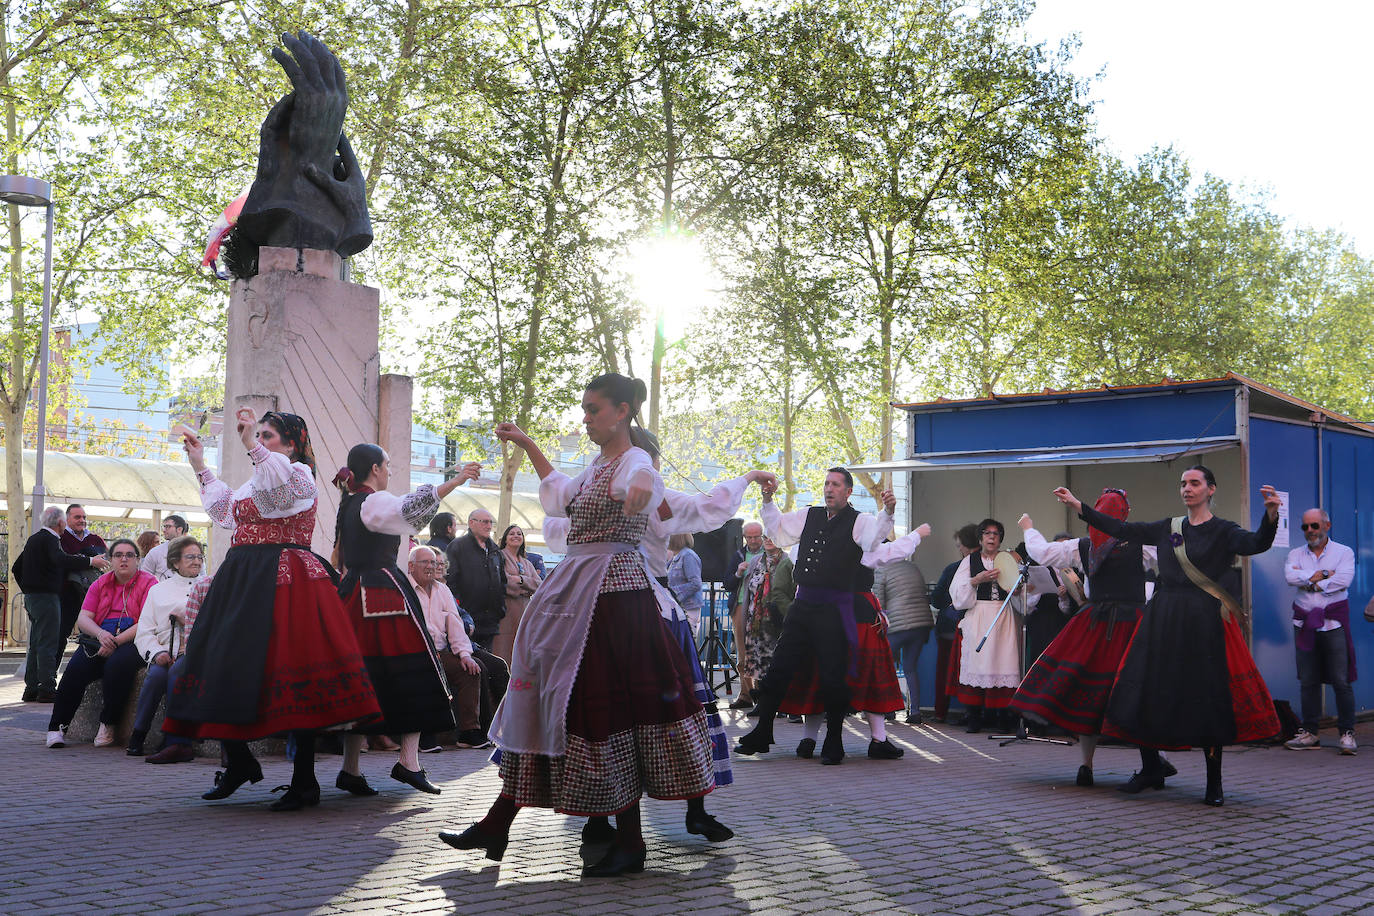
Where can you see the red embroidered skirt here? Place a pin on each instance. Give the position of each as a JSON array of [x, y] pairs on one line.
[[634, 723], [1070, 683], [873, 689], [986, 697], [313, 676]]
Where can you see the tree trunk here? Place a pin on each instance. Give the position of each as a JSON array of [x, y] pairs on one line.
[[666, 226]]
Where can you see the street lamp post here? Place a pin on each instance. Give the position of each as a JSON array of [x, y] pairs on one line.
[[33, 192]]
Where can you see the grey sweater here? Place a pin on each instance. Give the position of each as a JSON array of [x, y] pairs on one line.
[[901, 592]]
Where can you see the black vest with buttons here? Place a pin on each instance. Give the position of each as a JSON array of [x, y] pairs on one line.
[[987, 591], [827, 556], [1121, 577]]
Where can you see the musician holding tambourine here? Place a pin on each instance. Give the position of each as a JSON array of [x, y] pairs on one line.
[[985, 679]]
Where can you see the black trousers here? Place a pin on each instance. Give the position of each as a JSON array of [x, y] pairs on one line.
[[116, 674], [809, 631], [495, 680]]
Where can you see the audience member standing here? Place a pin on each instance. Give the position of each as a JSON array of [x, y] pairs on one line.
[[734, 591], [1322, 571], [77, 538], [521, 581], [684, 580], [477, 577], [155, 560], [947, 618], [901, 592], [40, 572], [442, 529]]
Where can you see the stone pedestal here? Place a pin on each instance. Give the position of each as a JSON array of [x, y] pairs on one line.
[[303, 341]]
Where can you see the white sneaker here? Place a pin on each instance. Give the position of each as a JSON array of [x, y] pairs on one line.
[[1348, 744], [57, 738], [104, 735], [1304, 740]]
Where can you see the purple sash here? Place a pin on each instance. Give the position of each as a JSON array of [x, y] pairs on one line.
[[1310, 621], [844, 603]]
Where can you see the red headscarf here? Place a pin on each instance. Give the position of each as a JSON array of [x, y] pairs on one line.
[[1114, 504]]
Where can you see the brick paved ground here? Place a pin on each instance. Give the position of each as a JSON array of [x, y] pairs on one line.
[[959, 826]]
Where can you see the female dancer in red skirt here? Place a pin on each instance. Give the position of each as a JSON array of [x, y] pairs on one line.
[[272, 650], [600, 708], [1069, 684], [1188, 679], [386, 614]]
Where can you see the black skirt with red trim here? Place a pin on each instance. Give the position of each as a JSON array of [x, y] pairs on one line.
[[1070, 683], [1188, 679], [411, 688]]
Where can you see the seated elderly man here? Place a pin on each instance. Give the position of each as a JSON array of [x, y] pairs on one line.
[[453, 645]]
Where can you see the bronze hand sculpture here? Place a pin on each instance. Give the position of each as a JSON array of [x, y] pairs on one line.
[[309, 191]]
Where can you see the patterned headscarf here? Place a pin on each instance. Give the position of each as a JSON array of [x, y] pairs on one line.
[[293, 432], [1114, 504]]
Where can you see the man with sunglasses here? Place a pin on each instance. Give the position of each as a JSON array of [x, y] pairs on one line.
[[1322, 571]]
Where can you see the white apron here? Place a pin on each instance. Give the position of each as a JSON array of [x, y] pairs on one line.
[[532, 718], [999, 664]]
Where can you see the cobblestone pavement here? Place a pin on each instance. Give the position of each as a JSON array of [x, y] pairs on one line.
[[960, 825]]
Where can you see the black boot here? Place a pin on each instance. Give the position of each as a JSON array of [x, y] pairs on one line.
[[136, 739], [304, 791], [832, 749], [760, 739], [974, 720], [1213, 795]]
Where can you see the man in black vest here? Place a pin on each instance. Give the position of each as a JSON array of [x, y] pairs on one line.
[[820, 624]]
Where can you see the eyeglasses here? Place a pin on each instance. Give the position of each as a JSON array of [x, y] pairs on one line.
[[1311, 526], [485, 521], [425, 563], [124, 555], [188, 557]]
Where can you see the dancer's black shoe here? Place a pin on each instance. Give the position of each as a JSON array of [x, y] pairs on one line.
[[416, 779], [356, 784], [296, 798], [707, 826], [230, 779], [1213, 796], [1141, 781], [1085, 777], [975, 722], [806, 748], [749, 745], [619, 861], [1167, 769], [884, 750], [473, 838], [742, 703]]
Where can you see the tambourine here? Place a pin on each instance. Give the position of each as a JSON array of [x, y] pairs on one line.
[[1008, 566]]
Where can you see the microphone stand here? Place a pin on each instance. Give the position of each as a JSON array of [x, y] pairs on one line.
[[713, 652], [1021, 733]]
